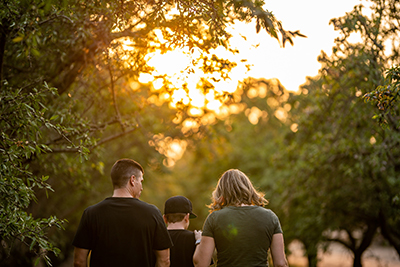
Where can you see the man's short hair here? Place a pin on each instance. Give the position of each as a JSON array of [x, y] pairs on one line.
[[122, 170], [175, 217]]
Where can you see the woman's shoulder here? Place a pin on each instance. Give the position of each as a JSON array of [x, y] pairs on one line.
[[265, 210]]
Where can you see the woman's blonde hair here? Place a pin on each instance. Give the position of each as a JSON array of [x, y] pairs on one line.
[[234, 188]]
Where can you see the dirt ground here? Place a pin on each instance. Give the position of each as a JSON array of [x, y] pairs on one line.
[[338, 256]]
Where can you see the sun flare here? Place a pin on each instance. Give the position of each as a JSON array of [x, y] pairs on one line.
[[185, 79]]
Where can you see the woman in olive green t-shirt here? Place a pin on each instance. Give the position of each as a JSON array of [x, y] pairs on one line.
[[239, 228]]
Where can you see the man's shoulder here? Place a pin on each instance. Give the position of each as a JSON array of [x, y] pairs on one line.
[[96, 205], [145, 204], [112, 201], [148, 208]]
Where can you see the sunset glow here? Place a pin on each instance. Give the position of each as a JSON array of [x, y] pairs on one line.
[[260, 56]]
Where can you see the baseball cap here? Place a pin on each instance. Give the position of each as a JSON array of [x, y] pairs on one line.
[[179, 204]]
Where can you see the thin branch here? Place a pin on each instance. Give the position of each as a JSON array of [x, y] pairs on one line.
[[55, 16], [114, 97], [110, 138], [105, 140], [369, 33], [352, 240], [93, 128], [129, 33]]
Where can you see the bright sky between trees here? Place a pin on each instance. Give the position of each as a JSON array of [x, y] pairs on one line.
[[292, 64], [267, 58]]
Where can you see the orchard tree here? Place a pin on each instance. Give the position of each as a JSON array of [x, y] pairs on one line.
[[343, 178], [93, 53], [386, 99]]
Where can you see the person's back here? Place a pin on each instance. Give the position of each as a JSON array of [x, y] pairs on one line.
[[242, 234], [239, 228], [181, 254], [112, 244], [177, 212], [122, 230]]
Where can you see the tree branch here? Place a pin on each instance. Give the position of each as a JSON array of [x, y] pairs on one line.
[[360, 18], [105, 140], [129, 33], [367, 236], [55, 16], [114, 96]]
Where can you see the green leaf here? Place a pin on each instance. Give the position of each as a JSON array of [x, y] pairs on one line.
[[18, 39], [54, 117], [32, 243]]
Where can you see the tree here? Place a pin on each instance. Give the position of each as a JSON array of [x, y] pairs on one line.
[[343, 178], [385, 97], [23, 120], [93, 53]]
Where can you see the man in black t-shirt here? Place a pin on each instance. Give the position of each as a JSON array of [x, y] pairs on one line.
[[122, 230], [177, 212]]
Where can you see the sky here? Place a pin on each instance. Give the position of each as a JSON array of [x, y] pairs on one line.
[[292, 64]]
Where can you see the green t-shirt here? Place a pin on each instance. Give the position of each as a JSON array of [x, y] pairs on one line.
[[242, 235]]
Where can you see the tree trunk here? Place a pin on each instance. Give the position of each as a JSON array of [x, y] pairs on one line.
[[312, 260], [357, 259], [312, 254], [366, 241]]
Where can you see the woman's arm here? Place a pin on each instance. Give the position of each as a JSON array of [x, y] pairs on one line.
[[278, 251], [204, 251]]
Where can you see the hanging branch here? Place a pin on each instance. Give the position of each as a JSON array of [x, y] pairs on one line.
[[114, 96], [105, 140]]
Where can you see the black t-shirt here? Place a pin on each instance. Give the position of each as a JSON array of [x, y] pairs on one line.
[[181, 254], [122, 232]]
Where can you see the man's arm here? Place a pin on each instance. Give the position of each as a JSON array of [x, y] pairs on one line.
[[80, 257], [162, 258], [278, 251], [204, 251]]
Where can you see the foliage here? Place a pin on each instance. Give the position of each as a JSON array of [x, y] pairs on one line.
[[94, 53], [333, 177], [342, 177], [23, 122], [246, 140], [386, 98]]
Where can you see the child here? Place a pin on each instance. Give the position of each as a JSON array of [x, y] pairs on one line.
[[177, 212]]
